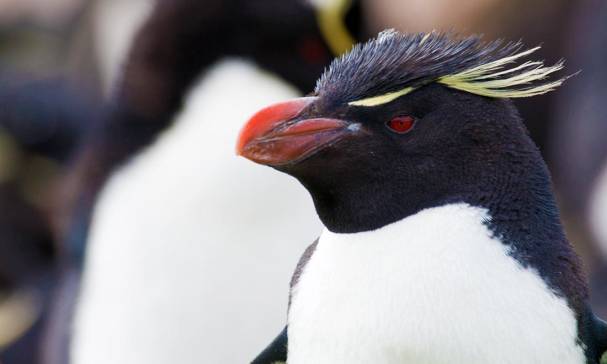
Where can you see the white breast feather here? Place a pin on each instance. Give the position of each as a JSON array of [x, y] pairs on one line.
[[434, 288]]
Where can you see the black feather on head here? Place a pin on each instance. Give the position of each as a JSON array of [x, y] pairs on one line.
[[395, 61]]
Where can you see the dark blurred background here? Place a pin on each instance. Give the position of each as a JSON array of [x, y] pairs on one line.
[[65, 65]]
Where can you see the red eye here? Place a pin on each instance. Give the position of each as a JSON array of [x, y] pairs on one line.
[[401, 124]]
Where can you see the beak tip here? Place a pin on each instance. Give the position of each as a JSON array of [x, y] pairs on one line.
[[238, 150], [266, 118]]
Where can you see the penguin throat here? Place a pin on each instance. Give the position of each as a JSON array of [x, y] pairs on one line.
[[510, 190]]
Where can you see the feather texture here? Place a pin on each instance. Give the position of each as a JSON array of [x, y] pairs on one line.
[[494, 79], [395, 64]]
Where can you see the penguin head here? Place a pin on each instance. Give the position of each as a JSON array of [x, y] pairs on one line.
[[402, 123]]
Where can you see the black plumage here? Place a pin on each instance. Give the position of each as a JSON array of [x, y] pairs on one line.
[[275, 352]]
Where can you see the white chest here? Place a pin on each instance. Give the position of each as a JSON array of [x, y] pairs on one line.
[[432, 288]]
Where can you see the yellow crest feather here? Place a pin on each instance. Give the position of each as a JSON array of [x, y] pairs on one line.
[[371, 72], [487, 79]]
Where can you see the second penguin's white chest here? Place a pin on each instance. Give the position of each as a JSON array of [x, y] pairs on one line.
[[433, 288]]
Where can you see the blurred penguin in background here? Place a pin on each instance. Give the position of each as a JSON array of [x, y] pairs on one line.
[[177, 268], [579, 136]]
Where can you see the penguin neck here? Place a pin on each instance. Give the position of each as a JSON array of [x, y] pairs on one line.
[[514, 187]]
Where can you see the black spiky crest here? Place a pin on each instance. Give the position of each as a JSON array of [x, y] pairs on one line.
[[393, 62]]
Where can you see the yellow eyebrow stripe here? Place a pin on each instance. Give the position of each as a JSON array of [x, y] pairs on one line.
[[381, 99]]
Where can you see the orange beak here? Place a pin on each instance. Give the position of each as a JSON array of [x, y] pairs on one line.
[[276, 136]]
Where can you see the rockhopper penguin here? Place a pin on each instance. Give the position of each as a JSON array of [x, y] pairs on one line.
[[442, 240]]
